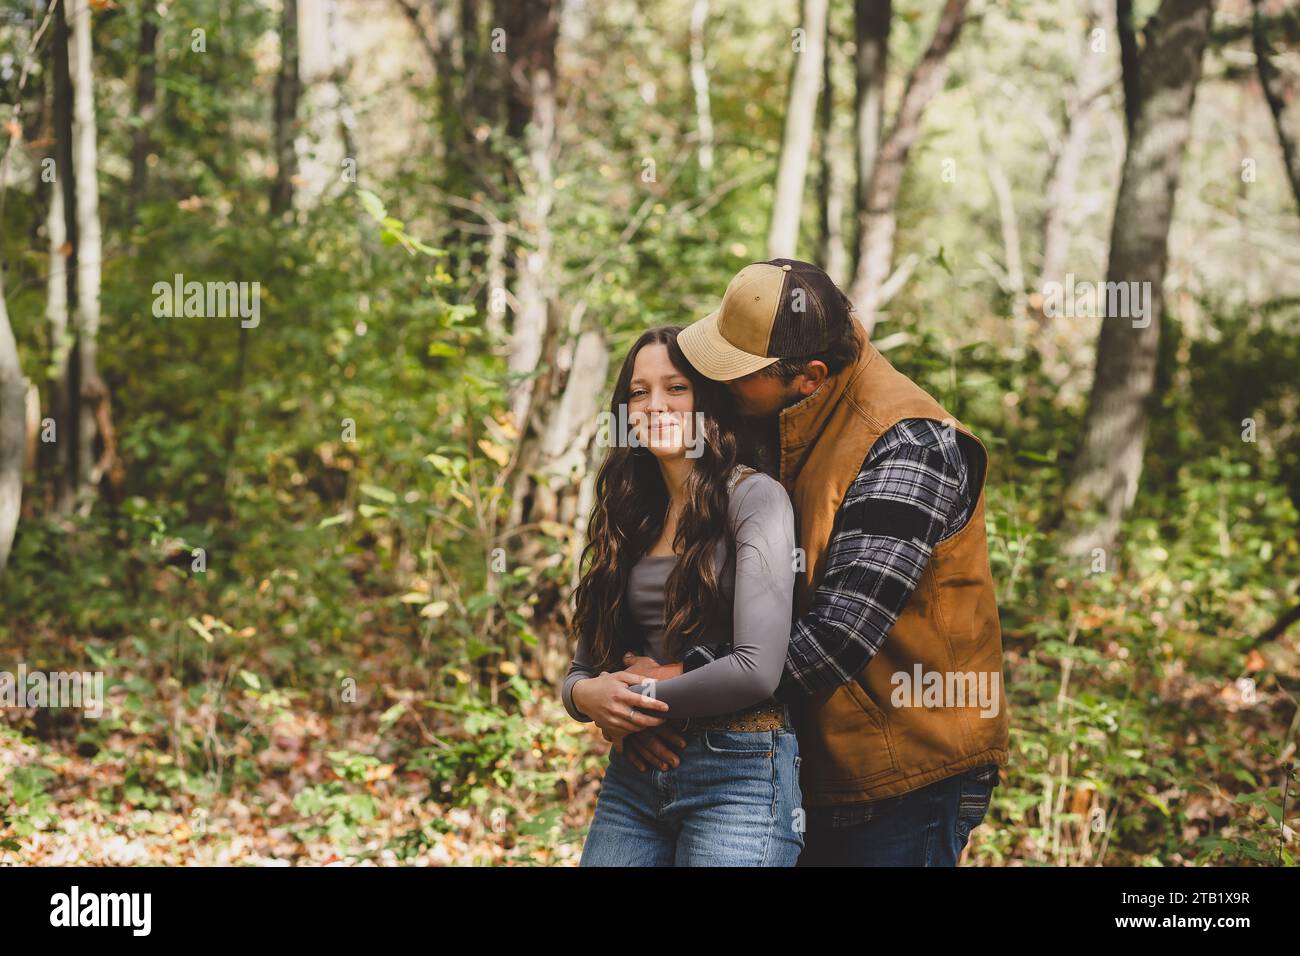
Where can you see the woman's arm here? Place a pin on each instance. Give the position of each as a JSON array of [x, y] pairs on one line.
[[606, 697], [763, 602], [579, 669]]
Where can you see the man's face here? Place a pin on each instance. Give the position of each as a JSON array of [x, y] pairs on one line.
[[758, 395]]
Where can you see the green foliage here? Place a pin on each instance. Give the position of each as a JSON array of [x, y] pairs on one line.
[[335, 810]]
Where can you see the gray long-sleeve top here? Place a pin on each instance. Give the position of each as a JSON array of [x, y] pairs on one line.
[[759, 584]]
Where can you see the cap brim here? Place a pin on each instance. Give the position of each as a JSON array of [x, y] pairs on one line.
[[713, 356]]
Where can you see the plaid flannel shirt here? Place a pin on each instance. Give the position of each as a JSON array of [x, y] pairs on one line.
[[911, 493]]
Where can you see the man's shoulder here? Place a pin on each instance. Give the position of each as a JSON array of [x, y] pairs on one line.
[[926, 432], [916, 458], [911, 434]]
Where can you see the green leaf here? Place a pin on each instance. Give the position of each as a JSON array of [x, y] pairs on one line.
[[426, 249], [391, 716], [939, 260], [373, 204], [434, 609], [1157, 803], [441, 462], [379, 494], [477, 649]]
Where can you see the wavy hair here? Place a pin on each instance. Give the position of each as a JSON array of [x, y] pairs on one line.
[[630, 510]]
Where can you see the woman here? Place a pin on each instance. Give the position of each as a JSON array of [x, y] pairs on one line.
[[687, 545]]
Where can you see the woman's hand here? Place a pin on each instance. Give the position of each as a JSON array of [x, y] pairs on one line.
[[610, 702]]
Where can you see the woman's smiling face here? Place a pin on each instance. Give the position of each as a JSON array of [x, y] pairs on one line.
[[660, 404]]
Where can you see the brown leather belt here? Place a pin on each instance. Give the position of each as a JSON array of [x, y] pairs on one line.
[[765, 715]]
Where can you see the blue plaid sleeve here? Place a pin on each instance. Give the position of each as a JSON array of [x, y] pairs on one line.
[[911, 493], [700, 654]]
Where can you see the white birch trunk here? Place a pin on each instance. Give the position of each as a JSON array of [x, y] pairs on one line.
[[800, 119]]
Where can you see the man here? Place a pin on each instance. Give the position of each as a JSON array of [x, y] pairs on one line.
[[894, 671]]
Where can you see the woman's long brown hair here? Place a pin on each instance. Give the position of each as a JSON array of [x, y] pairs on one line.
[[631, 506]]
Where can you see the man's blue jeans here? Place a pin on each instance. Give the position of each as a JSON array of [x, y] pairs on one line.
[[732, 801], [926, 827]]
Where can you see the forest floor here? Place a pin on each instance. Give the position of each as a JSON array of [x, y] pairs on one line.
[[229, 772], [298, 803]]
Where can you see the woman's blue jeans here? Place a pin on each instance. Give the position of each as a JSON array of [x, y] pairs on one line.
[[734, 800]]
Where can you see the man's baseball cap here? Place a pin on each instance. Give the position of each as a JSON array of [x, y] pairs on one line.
[[773, 310]]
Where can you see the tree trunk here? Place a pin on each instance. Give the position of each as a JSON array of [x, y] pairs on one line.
[[1012, 278], [552, 474], [531, 108], [468, 99], [1063, 180], [871, 22], [1282, 102], [1108, 466], [832, 250], [89, 244], [496, 282], [433, 47], [700, 84], [327, 137], [347, 117], [52, 458], [65, 404], [288, 88], [13, 431], [877, 216], [555, 409], [800, 117]]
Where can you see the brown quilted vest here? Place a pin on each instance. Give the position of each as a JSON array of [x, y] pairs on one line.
[[893, 728]]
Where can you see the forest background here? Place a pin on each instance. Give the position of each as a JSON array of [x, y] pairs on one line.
[[318, 525]]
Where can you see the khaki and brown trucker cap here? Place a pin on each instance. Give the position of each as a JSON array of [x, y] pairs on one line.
[[773, 310]]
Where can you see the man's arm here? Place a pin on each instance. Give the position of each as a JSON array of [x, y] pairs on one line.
[[911, 493]]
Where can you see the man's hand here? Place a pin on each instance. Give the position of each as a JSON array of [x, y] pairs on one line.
[[651, 748], [649, 667]]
